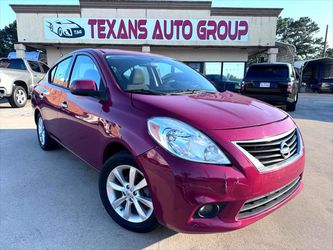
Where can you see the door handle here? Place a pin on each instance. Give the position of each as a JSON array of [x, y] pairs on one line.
[[41, 96], [64, 105]]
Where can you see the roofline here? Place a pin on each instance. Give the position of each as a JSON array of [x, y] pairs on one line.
[[146, 4], [37, 8], [316, 59], [223, 11]]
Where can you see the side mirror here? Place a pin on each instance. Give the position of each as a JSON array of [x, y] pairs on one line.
[[84, 87]]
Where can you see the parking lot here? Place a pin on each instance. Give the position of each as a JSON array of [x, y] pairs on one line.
[[50, 200]]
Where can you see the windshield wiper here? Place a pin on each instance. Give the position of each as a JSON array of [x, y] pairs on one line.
[[191, 91], [145, 91]]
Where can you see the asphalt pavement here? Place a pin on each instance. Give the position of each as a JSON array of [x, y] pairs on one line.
[[50, 200]]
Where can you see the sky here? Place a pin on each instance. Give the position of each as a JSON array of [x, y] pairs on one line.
[[321, 11]]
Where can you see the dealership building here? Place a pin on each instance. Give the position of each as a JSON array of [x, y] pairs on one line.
[[212, 40]]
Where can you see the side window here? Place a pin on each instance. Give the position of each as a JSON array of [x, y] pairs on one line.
[[35, 66], [85, 69], [59, 76], [44, 67], [16, 64]]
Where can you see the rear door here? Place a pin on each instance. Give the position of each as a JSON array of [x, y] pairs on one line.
[[79, 126], [267, 79], [49, 94]]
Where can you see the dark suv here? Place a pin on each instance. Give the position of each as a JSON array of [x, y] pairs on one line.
[[275, 83]]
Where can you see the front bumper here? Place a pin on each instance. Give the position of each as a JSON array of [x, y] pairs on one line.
[[179, 188], [3, 92]]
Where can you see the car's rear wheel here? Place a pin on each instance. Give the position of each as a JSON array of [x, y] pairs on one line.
[[19, 97], [125, 195], [46, 142], [291, 106]]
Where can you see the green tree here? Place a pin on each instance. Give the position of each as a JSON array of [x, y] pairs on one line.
[[303, 34], [329, 52], [8, 37]]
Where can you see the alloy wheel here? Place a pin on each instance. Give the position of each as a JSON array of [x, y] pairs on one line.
[[20, 96], [128, 194], [41, 131]]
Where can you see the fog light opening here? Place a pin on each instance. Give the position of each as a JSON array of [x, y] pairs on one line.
[[208, 211]]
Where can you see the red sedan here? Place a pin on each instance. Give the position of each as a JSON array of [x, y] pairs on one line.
[[170, 149]]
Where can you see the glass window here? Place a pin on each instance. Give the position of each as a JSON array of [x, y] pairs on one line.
[[60, 75], [156, 75], [268, 71], [233, 71], [212, 68], [13, 64], [85, 69], [195, 65], [44, 67], [35, 66]]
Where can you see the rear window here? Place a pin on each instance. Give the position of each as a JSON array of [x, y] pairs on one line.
[[12, 64], [268, 71]]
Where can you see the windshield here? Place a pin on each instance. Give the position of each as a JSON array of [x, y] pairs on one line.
[[268, 71], [156, 75]]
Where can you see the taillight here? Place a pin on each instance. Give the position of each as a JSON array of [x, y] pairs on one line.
[[242, 87], [290, 87]]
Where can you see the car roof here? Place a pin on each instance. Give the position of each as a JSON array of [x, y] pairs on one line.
[[271, 64], [102, 52]]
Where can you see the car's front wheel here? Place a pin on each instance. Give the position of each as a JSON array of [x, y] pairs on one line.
[[46, 142], [124, 192]]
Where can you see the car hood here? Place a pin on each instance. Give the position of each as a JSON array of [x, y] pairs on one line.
[[225, 110]]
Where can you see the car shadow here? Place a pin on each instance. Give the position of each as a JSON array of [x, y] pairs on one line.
[[50, 200], [4, 104]]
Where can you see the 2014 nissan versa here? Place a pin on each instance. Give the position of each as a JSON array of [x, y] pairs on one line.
[[170, 149]]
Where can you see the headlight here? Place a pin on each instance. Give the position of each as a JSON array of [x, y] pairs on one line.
[[184, 141]]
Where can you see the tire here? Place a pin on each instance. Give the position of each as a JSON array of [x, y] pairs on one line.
[[19, 97], [46, 142], [291, 106], [60, 32], [121, 199]]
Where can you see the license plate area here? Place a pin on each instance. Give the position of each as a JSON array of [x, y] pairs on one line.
[[265, 85]]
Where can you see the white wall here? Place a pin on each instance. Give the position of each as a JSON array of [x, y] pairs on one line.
[[31, 26]]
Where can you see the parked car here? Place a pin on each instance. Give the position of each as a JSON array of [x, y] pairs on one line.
[[323, 87], [169, 147], [275, 83], [17, 77], [223, 83]]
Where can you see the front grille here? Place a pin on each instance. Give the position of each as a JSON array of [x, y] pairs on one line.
[[272, 152], [262, 203]]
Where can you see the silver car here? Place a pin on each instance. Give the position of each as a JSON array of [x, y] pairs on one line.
[[17, 78]]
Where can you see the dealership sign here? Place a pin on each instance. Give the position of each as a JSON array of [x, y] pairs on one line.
[[194, 30]]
